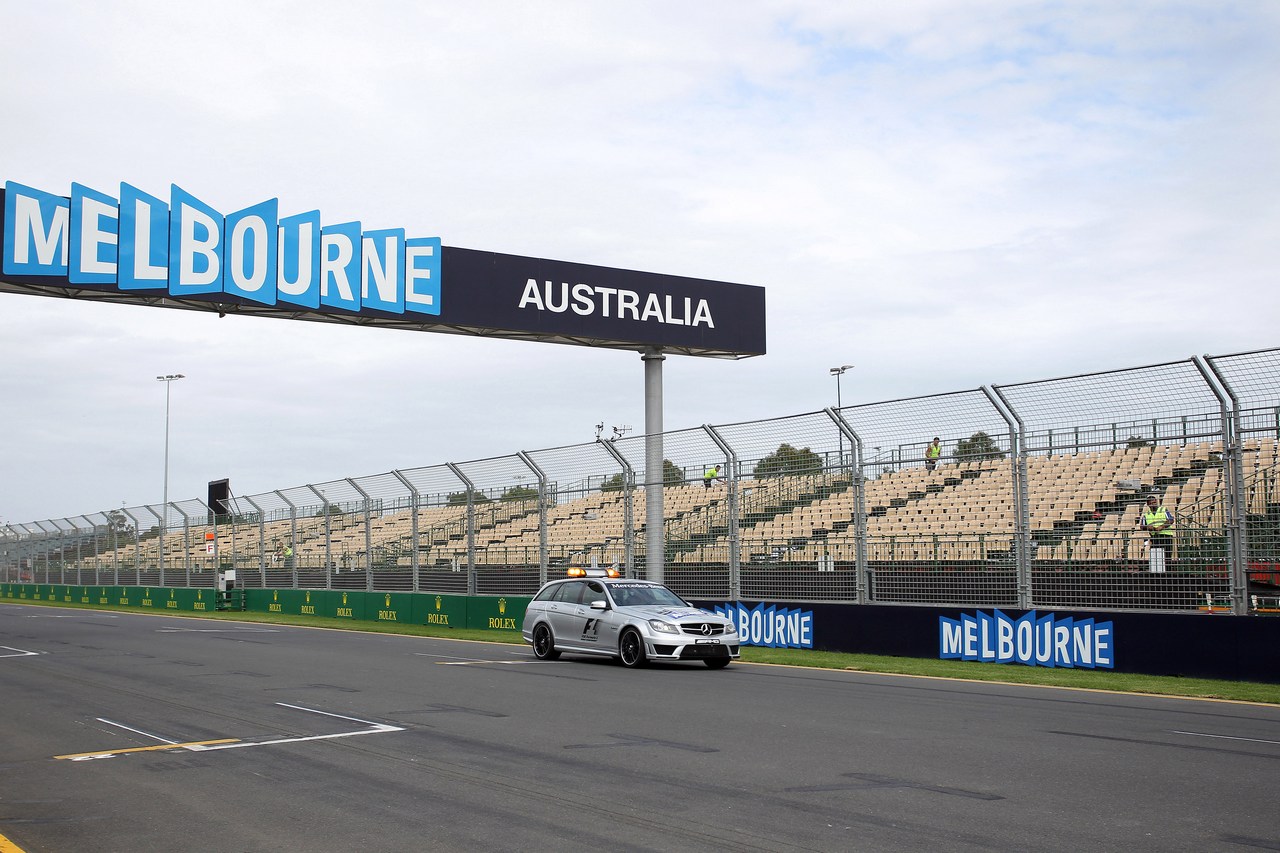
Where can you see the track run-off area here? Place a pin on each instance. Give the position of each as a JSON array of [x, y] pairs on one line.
[[122, 731]]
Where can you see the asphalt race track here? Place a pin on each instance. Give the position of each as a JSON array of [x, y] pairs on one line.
[[127, 732]]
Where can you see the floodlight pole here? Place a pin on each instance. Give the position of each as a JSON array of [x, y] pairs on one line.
[[168, 379]]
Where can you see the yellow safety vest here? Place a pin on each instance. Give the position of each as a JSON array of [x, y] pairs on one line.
[[1161, 514], [933, 451]]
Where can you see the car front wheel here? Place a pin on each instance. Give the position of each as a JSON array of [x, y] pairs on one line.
[[544, 645], [631, 649]]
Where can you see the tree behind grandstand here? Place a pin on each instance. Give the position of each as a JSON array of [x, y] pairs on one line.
[[788, 460], [977, 446], [672, 475]]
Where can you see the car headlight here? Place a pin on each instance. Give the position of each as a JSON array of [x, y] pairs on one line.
[[663, 627], [731, 628]]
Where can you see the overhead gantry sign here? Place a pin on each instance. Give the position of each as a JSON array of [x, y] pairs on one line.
[[180, 252]]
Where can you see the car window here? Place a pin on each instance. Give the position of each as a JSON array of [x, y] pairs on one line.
[[595, 592], [570, 593], [547, 593]]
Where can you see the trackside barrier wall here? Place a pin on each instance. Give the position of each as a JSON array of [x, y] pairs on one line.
[[1217, 646], [488, 613]]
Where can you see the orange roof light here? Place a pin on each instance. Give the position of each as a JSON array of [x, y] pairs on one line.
[[576, 572]]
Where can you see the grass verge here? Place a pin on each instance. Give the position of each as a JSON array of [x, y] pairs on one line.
[[1083, 679]]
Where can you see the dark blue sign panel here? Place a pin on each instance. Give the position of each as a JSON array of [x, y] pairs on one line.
[[137, 247], [1031, 639]]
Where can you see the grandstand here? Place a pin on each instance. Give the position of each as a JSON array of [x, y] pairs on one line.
[[831, 524]]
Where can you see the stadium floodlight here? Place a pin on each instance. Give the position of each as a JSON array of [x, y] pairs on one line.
[[837, 372]]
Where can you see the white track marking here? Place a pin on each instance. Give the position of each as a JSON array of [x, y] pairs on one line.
[[232, 743], [1229, 737], [17, 653], [374, 728], [135, 731]]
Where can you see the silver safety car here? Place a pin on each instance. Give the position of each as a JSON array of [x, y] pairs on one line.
[[634, 621]]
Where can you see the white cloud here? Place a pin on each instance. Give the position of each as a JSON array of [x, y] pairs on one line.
[[945, 194]]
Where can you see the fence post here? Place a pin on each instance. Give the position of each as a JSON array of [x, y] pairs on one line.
[[1233, 468], [262, 542], [368, 534], [186, 546], [293, 537], [859, 507], [735, 540], [628, 517], [542, 515], [1022, 500], [414, 501], [328, 540], [471, 526]]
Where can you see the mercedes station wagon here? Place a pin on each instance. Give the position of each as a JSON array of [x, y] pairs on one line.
[[635, 621]]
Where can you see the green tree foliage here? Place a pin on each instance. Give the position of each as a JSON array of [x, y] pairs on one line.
[[977, 446], [788, 460], [672, 475], [460, 498], [520, 493]]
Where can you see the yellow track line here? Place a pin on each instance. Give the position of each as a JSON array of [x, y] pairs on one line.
[[161, 746], [7, 846]]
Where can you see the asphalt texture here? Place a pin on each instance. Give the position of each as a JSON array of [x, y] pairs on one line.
[[126, 732]]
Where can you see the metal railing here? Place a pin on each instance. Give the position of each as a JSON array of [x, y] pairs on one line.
[[1034, 502]]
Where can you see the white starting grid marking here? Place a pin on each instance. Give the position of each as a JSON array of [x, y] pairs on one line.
[[1228, 737], [217, 631], [17, 653], [231, 743], [460, 661]]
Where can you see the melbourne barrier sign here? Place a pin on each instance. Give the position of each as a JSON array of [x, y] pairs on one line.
[[770, 625], [1031, 639], [180, 252]]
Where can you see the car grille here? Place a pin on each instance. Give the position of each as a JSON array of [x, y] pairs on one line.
[[703, 629]]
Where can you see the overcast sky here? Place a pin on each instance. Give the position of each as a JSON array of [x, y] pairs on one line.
[[945, 194]]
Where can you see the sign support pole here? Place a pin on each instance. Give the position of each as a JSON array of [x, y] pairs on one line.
[[654, 537]]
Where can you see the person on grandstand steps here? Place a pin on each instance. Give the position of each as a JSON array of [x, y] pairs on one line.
[[932, 453], [1158, 522], [712, 474]]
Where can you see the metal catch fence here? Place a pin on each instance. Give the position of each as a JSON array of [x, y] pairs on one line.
[[1027, 495]]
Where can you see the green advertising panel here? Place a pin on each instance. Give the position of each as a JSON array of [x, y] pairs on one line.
[[342, 604], [151, 597], [312, 602], [286, 601], [206, 601], [396, 607], [446, 611], [497, 613]]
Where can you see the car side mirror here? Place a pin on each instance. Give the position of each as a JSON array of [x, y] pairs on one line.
[[600, 605]]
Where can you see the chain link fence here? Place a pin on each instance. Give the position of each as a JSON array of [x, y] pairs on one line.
[[1033, 498]]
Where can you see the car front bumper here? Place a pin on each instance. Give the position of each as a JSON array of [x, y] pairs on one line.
[[663, 649]]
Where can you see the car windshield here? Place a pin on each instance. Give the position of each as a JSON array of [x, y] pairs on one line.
[[639, 595]]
